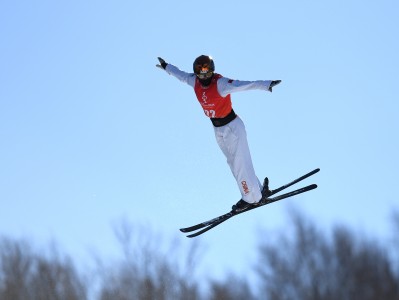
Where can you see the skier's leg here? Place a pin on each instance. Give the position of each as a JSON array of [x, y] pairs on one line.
[[232, 139]]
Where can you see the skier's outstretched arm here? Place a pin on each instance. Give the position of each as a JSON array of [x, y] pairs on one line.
[[227, 86], [185, 77]]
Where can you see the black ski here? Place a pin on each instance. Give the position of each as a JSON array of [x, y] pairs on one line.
[[275, 191], [218, 220], [230, 214]]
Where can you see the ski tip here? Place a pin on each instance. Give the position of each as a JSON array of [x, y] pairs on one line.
[[313, 172], [183, 229]]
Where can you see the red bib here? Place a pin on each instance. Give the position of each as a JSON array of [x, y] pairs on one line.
[[214, 105]]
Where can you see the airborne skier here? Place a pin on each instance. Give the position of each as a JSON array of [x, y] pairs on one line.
[[213, 93]]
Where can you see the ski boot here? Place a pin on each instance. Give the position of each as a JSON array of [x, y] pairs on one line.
[[266, 192], [242, 205]]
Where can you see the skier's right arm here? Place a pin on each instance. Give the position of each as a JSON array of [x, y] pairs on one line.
[[185, 77]]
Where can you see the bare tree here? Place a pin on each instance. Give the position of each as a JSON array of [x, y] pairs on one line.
[[27, 275], [148, 270], [15, 265], [395, 230], [56, 279], [308, 265], [302, 262], [232, 288]]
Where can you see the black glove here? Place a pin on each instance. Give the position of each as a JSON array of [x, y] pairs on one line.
[[273, 83], [162, 64]]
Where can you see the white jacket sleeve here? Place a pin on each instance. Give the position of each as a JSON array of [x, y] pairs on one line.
[[227, 86], [185, 77]]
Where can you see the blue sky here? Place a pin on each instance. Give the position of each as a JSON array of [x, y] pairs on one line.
[[91, 132]]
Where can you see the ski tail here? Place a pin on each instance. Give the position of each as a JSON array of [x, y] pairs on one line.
[[204, 224]]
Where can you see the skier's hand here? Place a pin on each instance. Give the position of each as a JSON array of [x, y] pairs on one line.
[[273, 83], [162, 63]]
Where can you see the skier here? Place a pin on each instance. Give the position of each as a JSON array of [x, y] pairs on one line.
[[213, 93]]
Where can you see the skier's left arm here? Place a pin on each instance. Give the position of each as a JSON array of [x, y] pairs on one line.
[[227, 86]]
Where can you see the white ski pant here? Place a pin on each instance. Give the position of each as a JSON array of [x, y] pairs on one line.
[[232, 140]]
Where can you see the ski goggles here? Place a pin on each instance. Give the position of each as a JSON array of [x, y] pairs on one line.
[[203, 72]]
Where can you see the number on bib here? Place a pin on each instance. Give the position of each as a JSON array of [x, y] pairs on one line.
[[210, 113]]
